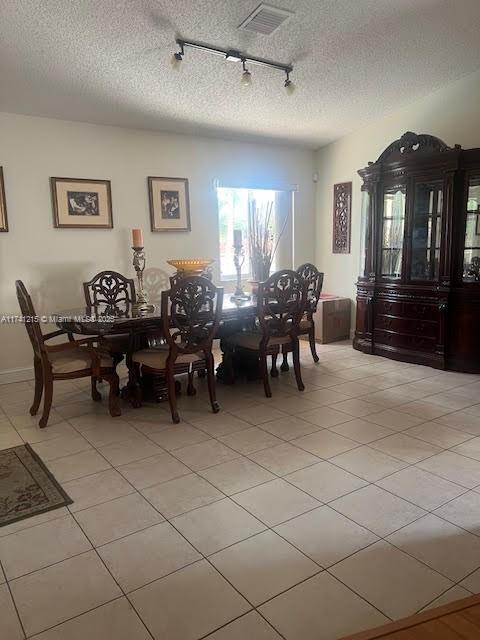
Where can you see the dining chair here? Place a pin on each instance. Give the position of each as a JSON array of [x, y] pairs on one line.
[[190, 315], [64, 361], [281, 304], [314, 281], [111, 291]]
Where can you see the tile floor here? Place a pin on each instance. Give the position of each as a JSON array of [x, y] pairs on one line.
[[305, 516]]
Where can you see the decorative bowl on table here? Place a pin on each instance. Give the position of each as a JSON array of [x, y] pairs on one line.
[[191, 265]]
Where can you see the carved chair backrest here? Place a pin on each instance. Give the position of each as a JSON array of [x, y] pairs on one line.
[[314, 280], [191, 312], [32, 324], [281, 303], [109, 288]]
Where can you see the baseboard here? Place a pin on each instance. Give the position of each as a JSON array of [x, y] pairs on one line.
[[16, 375]]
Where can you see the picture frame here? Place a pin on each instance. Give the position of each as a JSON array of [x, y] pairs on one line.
[[342, 217], [169, 204], [3, 205], [81, 203]]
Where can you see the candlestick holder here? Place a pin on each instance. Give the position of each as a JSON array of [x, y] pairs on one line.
[[139, 265], [238, 260]]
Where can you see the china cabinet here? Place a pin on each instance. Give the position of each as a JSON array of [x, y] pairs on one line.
[[418, 292]]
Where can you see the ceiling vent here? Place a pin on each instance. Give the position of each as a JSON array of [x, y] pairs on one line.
[[265, 19]]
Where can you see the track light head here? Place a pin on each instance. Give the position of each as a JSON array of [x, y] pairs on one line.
[[246, 80], [177, 60], [288, 84]]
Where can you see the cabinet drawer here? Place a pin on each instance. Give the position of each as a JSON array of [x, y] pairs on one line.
[[413, 326], [403, 341]]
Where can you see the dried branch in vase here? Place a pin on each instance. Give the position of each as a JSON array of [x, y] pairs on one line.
[[262, 242]]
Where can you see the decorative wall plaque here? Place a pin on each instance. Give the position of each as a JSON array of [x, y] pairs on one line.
[[342, 212]]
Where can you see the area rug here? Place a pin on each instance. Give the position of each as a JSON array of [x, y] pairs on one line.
[[27, 487]]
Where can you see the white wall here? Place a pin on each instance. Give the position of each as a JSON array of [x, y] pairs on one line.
[[54, 262], [452, 114]]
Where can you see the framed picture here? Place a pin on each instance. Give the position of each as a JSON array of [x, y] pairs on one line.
[[79, 203], [3, 205], [342, 212], [169, 204]]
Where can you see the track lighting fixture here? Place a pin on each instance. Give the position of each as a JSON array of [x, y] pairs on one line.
[[232, 55]]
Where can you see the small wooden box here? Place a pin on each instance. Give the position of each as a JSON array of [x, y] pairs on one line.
[[332, 319]]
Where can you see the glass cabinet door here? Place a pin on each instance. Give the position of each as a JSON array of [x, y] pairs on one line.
[[392, 231], [426, 230], [365, 226], [471, 253]]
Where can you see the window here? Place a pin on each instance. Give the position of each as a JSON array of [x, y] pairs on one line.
[[234, 206]]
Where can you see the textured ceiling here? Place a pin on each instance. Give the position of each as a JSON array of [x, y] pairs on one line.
[[108, 61]]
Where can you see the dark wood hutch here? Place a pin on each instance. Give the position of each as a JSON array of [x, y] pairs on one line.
[[418, 293]]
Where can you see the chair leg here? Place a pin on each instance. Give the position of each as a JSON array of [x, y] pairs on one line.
[[313, 344], [296, 364], [96, 397], [228, 372], [211, 382], [134, 384], [37, 366], [264, 370], [274, 370], [191, 391], [113, 402], [172, 396], [284, 366], [47, 401]]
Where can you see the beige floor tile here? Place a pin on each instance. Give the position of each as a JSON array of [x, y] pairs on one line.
[[320, 608], [20, 525], [9, 438], [108, 433], [221, 424], [420, 487], [325, 481], [368, 463], [391, 580], [438, 434], [217, 526], [472, 582], [181, 435], [377, 510], [250, 440], [154, 470], [237, 475], [41, 546], [394, 419], [451, 551], [117, 518], [97, 488], [463, 421], [323, 417], [95, 420], [263, 566], [137, 448], [78, 584], [352, 389], [464, 511], [259, 413], [471, 448], [325, 535], [292, 405], [35, 434], [454, 467], [325, 396], [78, 465], [450, 400], [116, 620], [325, 444], [361, 431], [474, 410], [10, 628], [147, 555], [21, 419], [452, 595], [205, 454], [180, 495], [194, 602], [284, 458], [325, 380], [423, 409], [60, 447], [289, 427], [406, 448], [250, 626], [357, 407], [275, 502]]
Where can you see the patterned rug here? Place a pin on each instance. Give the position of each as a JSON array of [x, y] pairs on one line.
[[27, 487]]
